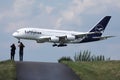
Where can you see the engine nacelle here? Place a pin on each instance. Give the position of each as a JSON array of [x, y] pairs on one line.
[[69, 37], [54, 39]]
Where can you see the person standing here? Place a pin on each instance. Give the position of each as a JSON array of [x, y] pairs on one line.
[[13, 48], [21, 47]]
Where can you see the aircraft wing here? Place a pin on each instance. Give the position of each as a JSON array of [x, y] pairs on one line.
[[62, 38], [81, 35], [65, 38], [103, 38]]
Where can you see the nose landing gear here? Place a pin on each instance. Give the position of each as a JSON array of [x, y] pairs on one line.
[[18, 40]]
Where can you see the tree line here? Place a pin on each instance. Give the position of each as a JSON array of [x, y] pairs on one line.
[[85, 56]]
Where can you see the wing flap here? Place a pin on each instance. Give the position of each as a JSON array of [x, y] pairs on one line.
[[84, 34]]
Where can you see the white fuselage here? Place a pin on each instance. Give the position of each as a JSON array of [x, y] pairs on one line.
[[41, 35]]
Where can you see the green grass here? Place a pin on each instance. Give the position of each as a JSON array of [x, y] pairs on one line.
[[100, 70], [7, 70]]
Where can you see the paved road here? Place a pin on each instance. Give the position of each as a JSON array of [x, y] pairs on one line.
[[44, 71]]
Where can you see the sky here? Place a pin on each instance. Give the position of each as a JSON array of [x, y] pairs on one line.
[[74, 15]]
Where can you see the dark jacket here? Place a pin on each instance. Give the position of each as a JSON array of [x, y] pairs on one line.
[[13, 48]]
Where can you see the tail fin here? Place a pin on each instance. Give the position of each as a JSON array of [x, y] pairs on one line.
[[101, 25]]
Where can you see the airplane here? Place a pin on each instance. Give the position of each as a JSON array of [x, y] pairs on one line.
[[61, 38]]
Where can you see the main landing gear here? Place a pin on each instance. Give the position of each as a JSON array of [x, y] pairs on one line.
[[55, 45], [59, 45]]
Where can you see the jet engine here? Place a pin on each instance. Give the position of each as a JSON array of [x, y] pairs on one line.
[[54, 39], [70, 37]]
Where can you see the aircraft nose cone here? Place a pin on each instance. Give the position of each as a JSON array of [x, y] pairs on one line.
[[14, 34]]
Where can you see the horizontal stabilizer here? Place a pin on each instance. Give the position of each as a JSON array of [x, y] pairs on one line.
[[104, 37]]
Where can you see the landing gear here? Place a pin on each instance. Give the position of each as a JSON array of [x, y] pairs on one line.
[[55, 45], [62, 45], [59, 45]]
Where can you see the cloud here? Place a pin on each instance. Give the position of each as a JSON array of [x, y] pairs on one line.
[[58, 23], [80, 7], [73, 11], [26, 12], [13, 26], [45, 8], [115, 3], [1, 16], [17, 14], [23, 8], [49, 9]]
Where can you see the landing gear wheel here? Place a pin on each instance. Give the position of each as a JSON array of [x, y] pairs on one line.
[[62, 45], [55, 45]]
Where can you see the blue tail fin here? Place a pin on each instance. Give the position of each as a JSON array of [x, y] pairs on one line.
[[100, 27], [97, 31]]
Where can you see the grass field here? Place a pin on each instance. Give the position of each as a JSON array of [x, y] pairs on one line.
[[100, 70], [7, 70], [106, 70]]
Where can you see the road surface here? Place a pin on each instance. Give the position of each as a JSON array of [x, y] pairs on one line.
[[44, 71]]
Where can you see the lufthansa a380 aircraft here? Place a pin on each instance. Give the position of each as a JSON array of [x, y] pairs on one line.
[[61, 38]]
